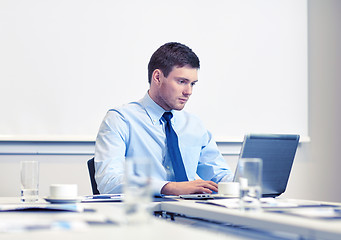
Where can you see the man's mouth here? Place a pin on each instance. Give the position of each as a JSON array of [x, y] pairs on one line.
[[183, 100]]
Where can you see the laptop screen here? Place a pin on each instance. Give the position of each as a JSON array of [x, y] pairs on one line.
[[277, 152]]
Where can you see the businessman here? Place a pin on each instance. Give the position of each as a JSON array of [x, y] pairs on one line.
[[185, 159]]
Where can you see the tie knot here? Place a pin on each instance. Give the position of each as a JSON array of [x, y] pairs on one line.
[[168, 116]]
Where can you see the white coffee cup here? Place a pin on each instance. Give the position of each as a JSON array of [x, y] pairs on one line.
[[63, 191], [228, 188]]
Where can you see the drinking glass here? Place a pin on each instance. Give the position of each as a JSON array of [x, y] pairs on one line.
[[137, 190], [29, 171], [250, 180]]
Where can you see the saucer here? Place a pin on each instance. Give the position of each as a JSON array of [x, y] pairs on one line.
[[221, 196], [63, 201]]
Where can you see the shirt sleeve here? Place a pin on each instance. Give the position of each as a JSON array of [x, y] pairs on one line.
[[112, 144], [212, 165], [110, 152]]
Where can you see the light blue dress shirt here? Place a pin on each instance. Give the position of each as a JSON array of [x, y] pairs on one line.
[[137, 130]]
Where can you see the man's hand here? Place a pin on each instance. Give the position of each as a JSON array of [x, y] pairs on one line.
[[197, 186]]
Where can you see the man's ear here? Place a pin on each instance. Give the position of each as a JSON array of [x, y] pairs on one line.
[[157, 76]]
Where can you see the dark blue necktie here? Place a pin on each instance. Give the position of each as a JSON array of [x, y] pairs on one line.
[[173, 150]]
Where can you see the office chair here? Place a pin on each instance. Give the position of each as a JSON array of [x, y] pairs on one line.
[[91, 168]]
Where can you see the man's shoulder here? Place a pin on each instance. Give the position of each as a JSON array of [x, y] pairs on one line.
[[127, 108], [189, 118], [188, 115], [125, 112]]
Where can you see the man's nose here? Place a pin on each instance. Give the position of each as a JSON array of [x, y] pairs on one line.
[[188, 90]]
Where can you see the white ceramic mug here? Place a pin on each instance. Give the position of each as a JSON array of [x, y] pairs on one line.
[[228, 188], [63, 191]]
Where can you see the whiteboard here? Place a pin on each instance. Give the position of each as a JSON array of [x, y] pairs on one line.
[[64, 63]]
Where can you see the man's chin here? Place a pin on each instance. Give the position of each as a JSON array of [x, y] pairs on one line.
[[179, 107]]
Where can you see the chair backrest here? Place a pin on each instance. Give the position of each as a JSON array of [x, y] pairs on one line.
[[91, 168]]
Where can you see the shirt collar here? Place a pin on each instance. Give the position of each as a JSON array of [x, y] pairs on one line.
[[153, 110]]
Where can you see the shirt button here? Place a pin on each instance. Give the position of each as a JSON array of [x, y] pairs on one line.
[[167, 167]]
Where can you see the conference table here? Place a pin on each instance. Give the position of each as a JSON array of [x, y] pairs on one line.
[[174, 219]]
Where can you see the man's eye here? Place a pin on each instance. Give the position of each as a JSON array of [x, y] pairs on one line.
[[193, 83]]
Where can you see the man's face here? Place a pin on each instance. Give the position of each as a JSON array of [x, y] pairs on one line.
[[176, 88]]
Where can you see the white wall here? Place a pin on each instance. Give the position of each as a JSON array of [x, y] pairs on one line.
[[317, 174], [325, 99], [53, 169], [70, 57], [316, 170], [62, 163]]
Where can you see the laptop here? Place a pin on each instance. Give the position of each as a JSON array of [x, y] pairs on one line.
[[277, 152]]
